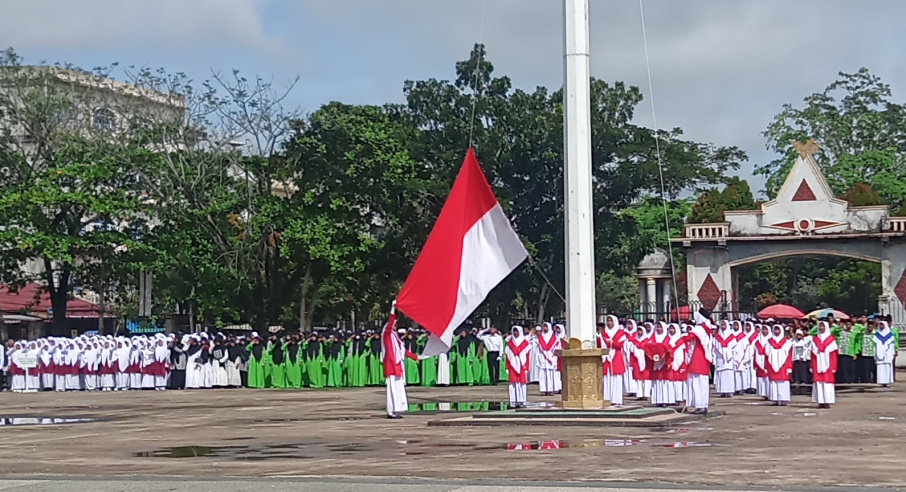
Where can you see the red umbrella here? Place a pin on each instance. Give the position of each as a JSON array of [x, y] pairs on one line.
[[781, 311]]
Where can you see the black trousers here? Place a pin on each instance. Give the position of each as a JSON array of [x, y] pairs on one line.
[[2, 380], [866, 369], [244, 378], [494, 367], [801, 374], [845, 369]]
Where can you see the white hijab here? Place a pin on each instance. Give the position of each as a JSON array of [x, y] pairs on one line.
[[884, 348], [822, 357], [517, 361], [778, 357]]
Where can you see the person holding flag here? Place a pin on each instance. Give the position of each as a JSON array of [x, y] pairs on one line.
[[393, 357]]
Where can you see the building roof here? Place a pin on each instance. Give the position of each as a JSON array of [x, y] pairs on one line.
[[33, 299]]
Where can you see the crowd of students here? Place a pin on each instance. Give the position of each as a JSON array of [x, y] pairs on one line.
[[666, 363], [672, 363], [314, 360]]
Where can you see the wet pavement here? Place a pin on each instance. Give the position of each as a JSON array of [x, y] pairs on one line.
[[272, 433], [472, 406], [20, 421]]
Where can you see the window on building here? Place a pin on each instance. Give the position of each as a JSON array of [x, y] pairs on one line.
[[104, 120]]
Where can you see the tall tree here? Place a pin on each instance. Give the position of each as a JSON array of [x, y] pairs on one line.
[[862, 133]]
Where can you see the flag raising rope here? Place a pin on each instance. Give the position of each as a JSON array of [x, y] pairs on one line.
[[660, 163]]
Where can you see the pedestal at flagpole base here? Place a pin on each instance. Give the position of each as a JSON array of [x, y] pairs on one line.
[[583, 380]]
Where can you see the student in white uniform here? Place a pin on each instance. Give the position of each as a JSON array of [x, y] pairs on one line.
[[885, 351]]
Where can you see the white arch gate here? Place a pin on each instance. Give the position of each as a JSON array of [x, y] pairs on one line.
[[804, 219]]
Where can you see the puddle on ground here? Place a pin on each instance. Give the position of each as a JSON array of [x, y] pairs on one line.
[[683, 430], [472, 406], [15, 421], [306, 450], [593, 443], [684, 444]]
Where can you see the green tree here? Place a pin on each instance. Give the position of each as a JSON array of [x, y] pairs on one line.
[[518, 136], [862, 133], [68, 201], [711, 205]]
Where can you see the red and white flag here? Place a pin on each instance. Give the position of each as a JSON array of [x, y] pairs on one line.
[[470, 250]]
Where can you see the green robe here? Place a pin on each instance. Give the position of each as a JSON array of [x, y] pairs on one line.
[[278, 369], [481, 371], [256, 369], [356, 364], [428, 366], [375, 367], [411, 366], [293, 367], [462, 364], [334, 364], [314, 365], [504, 375]]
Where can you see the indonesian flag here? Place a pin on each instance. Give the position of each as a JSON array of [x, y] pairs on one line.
[[470, 250]]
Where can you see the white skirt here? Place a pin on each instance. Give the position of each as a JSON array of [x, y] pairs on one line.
[[219, 373], [679, 388], [823, 393], [548, 380], [749, 379], [107, 381], [762, 386], [234, 377], [396, 395], [18, 382], [517, 393], [443, 369], [613, 389], [643, 388], [699, 391], [885, 373], [725, 381], [779, 390], [663, 392], [628, 379]]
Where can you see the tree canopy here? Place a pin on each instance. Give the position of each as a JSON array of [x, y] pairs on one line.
[[247, 210]]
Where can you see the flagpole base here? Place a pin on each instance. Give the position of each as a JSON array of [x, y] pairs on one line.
[[583, 380]]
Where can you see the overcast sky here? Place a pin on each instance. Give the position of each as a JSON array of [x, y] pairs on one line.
[[721, 68]]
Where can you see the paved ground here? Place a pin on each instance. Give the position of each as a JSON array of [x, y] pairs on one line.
[[345, 485], [342, 433]]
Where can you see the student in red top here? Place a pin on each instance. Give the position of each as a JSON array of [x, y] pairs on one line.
[[612, 338], [824, 366], [677, 361], [779, 365], [641, 365], [394, 351], [517, 366], [658, 353], [761, 374], [548, 362], [698, 359]]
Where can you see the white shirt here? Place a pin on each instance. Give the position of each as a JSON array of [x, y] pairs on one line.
[[802, 350], [492, 343]]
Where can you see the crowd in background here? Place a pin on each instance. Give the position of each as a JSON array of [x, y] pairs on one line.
[[651, 359], [313, 360]]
